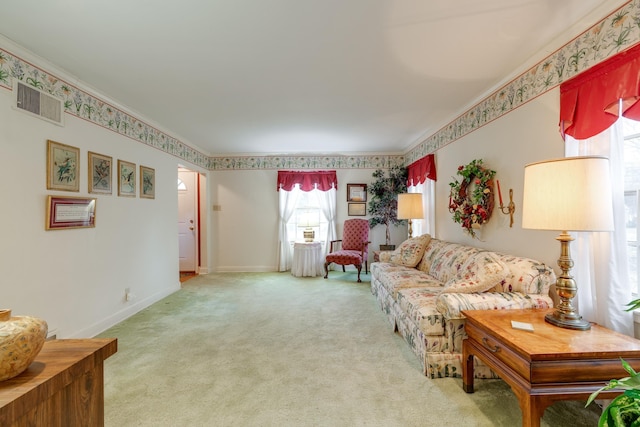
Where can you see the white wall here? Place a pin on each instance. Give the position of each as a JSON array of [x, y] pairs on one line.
[[245, 231], [528, 134], [244, 234], [75, 279]]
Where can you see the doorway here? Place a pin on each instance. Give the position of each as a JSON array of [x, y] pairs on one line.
[[189, 223]]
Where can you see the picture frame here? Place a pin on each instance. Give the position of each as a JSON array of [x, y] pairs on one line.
[[63, 166], [147, 182], [100, 173], [357, 209], [126, 179], [65, 212], [356, 192]]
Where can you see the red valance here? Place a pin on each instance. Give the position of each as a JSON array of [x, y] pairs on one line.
[[422, 169], [322, 180], [589, 101]]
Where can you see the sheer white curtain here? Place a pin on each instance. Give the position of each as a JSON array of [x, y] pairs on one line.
[[426, 225], [287, 205], [601, 270], [327, 204]]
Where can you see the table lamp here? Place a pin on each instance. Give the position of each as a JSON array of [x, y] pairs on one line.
[[568, 194], [308, 218], [410, 207]]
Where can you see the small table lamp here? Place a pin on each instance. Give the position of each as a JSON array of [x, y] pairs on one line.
[[410, 207], [569, 194], [308, 218]]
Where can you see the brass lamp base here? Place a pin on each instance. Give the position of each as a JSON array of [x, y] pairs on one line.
[[568, 322], [565, 315], [309, 235]]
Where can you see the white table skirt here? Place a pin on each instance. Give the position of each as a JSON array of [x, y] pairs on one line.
[[307, 259]]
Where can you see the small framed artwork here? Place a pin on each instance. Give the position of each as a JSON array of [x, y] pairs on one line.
[[70, 212], [147, 182], [356, 192], [126, 179], [100, 173], [357, 209], [63, 164]]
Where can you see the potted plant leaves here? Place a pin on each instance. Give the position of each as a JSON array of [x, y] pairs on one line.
[[383, 205], [624, 410]]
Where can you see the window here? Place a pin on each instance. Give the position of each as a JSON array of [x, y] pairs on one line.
[[590, 105], [631, 199], [308, 215], [306, 199]]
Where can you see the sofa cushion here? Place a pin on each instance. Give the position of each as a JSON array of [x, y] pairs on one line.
[[419, 304], [526, 275], [449, 260], [394, 277], [410, 252], [385, 256], [430, 253], [451, 305], [480, 272]]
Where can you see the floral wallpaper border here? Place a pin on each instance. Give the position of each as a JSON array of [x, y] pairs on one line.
[[615, 33], [307, 162]]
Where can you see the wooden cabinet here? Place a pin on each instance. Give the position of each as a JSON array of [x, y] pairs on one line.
[[63, 387]]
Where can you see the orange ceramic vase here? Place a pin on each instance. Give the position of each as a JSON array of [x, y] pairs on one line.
[[21, 339]]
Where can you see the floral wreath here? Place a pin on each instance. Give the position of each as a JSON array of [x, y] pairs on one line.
[[471, 199]]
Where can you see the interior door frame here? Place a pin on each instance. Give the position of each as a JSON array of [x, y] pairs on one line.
[[200, 218]]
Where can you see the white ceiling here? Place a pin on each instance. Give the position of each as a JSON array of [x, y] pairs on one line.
[[296, 76]]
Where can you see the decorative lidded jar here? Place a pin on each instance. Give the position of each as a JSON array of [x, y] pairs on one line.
[[21, 339]]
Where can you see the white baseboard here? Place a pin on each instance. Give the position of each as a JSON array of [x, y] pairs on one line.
[[123, 314], [246, 269]]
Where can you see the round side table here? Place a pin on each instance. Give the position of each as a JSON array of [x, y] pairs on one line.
[[307, 259]]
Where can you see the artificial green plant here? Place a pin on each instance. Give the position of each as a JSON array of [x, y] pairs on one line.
[[383, 204]]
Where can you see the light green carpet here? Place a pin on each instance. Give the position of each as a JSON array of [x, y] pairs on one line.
[[268, 349]]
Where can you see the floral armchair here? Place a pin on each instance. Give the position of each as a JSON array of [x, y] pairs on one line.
[[353, 249]]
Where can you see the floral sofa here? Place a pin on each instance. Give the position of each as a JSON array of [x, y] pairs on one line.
[[424, 285]]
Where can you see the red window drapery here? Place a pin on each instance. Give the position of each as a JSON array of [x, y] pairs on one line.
[[420, 170], [322, 180], [589, 101]]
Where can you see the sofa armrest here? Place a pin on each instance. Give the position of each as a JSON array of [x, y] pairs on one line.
[[450, 305]]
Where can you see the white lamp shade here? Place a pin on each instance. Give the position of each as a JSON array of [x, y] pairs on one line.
[[569, 194], [308, 217], [410, 206]]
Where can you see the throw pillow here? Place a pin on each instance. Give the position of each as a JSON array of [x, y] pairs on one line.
[[385, 256], [410, 252], [480, 273]]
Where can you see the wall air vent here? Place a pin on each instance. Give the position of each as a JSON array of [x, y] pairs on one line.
[[38, 103]]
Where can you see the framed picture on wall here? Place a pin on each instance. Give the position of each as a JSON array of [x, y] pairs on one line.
[[63, 164], [357, 209], [100, 173], [70, 212], [147, 182], [356, 192], [126, 179]]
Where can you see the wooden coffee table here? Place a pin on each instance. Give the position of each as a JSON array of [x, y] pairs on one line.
[[548, 364]]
